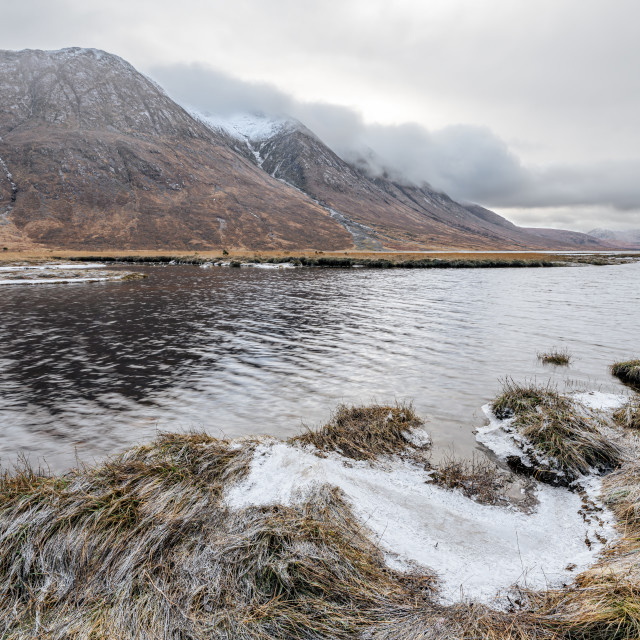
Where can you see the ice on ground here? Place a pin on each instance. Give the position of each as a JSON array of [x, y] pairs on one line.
[[477, 550], [498, 437], [57, 280], [600, 401], [253, 265], [57, 273], [268, 265], [505, 441], [52, 267]]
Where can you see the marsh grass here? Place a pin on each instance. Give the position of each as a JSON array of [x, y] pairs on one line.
[[628, 372], [133, 276], [560, 436], [144, 547], [365, 432], [558, 357], [478, 479], [628, 415]]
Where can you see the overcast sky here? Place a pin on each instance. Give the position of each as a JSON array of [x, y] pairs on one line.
[[529, 108]]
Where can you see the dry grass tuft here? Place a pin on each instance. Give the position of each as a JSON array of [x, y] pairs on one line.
[[628, 415], [628, 372], [478, 479], [143, 547], [364, 433], [559, 436], [560, 357]]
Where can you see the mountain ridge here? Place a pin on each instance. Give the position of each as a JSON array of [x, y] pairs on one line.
[[379, 211], [101, 157], [96, 155]]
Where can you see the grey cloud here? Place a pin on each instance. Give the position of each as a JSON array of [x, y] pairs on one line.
[[470, 163], [580, 218], [213, 91]]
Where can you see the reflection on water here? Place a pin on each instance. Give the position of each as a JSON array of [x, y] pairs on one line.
[[239, 351]]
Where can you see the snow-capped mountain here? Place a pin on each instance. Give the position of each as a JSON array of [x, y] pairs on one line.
[[378, 212], [94, 154]]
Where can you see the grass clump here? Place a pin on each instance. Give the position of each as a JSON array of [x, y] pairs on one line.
[[599, 607], [366, 432], [133, 276], [558, 436], [144, 547], [478, 479], [560, 357], [628, 372], [628, 415]]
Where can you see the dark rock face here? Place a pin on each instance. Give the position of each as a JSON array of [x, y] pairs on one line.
[[100, 157]]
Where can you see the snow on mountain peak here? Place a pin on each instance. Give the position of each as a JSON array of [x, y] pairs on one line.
[[247, 126]]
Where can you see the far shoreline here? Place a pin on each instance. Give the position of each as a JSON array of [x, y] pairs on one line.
[[311, 257]]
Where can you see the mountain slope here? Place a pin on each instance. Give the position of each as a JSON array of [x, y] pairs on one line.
[[95, 155], [625, 238], [378, 211]]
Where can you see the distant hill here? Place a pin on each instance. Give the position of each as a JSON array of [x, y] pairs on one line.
[[628, 237], [94, 155]]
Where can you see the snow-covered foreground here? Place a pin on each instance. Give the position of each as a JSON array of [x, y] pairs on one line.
[[476, 550]]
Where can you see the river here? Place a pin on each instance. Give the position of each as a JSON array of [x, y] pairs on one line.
[[88, 369]]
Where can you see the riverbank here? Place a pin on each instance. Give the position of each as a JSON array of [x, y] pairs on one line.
[[462, 259], [345, 531], [371, 260]]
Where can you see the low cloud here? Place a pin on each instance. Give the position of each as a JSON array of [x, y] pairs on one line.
[[470, 163]]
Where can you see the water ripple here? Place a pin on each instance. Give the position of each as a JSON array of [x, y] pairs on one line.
[[235, 351]]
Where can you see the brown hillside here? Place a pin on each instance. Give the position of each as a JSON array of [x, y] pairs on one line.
[[97, 156]]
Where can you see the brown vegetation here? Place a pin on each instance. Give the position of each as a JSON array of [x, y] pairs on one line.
[[628, 415], [560, 357], [478, 479], [143, 546], [559, 436], [365, 433], [628, 372]]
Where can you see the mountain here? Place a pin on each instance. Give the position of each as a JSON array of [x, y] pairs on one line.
[[94, 155], [624, 238], [97, 156], [376, 210]]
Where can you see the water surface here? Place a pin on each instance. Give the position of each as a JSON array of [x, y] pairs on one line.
[[93, 368]]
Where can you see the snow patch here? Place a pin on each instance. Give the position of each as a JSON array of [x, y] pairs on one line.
[[477, 550], [246, 126], [600, 401], [499, 437], [57, 280], [52, 267]]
